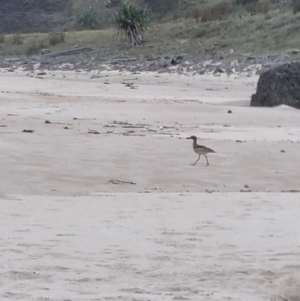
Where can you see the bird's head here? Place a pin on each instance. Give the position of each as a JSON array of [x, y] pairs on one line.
[[192, 137]]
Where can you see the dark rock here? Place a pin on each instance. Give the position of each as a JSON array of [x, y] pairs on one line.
[[12, 59], [166, 61], [44, 51], [218, 70], [280, 85]]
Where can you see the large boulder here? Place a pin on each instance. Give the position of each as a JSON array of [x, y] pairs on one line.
[[280, 85], [166, 61]]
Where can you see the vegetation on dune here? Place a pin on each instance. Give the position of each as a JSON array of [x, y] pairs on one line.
[[2, 38], [56, 38], [17, 39], [245, 1], [182, 26], [88, 18], [132, 20]]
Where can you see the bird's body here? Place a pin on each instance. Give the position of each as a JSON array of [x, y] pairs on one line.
[[200, 150]]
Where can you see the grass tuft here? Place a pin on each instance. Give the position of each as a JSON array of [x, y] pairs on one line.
[[56, 38], [2, 38], [258, 7], [216, 12], [35, 46], [17, 39]]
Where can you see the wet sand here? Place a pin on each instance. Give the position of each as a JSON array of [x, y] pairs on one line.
[[100, 201]]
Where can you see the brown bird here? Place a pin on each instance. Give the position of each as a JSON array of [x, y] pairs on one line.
[[200, 150]]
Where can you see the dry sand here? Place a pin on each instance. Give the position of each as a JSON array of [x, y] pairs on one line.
[[77, 223]]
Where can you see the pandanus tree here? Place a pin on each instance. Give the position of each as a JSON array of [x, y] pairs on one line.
[[132, 20]]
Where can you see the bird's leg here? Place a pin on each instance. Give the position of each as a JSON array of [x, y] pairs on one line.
[[206, 160], [196, 161]]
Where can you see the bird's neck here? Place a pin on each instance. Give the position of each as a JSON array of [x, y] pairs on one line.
[[194, 142]]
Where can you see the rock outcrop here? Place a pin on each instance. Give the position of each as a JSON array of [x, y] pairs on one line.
[[280, 85]]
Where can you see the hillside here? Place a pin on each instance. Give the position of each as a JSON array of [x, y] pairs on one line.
[[215, 28], [17, 16], [27, 15]]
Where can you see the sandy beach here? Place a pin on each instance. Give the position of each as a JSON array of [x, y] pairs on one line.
[[99, 200]]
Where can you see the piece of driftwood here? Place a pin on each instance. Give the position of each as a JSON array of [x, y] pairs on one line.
[[153, 59], [116, 182], [93, 132], [247, 54], [272, 56], [12, 59], [65, 52], [125, 59], [272, 64], [292, 51], [250, 56], [125, 79]]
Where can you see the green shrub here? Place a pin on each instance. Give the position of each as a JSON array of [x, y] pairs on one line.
[[56, 38], [216, 12], [87, 19], [258, 7], [133, 20], [194, 13], [17, 39], [2, 38], [296, 7], [163, 7], [34, 46]]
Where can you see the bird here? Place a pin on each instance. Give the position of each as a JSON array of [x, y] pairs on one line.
[[200, 150]]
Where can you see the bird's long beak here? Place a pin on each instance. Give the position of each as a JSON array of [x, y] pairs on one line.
[[189, 138]]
